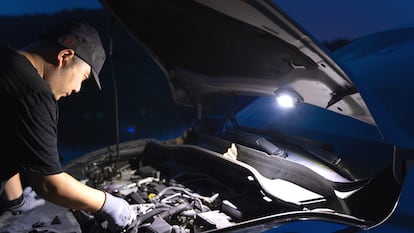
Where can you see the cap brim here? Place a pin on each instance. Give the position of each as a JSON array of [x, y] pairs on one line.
[[96, 77]]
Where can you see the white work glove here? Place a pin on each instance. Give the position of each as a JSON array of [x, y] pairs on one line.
[[118, 213], [30, 201]]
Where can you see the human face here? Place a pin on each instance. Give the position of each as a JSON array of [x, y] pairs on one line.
[[68, 76]]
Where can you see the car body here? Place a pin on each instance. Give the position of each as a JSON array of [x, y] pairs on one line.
[[340, 161]]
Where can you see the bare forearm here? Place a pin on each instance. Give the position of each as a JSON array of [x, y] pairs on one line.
[[13, 188], [64, 190]]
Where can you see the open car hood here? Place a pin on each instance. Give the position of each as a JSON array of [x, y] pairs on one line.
[[261, 169], [211, 48]]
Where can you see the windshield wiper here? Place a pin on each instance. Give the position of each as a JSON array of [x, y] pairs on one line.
[[256, 141]]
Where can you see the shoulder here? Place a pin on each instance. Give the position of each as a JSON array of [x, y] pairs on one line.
[[7, 53], [39, 103], [17, 75]]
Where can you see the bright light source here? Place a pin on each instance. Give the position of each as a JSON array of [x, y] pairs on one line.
[[287, 98], [285, 101]]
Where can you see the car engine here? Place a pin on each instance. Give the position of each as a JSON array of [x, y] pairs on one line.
[[162, 205], [177, 189], [183, 188]]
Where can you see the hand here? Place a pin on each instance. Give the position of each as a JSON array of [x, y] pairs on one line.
[[118, 213], [30, 201]]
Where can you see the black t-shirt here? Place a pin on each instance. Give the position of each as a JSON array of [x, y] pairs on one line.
[[28, 119]]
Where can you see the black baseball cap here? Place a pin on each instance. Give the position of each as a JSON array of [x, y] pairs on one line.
[[84, 39]]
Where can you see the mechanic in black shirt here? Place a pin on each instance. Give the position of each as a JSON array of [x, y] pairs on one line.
[[32, 80]]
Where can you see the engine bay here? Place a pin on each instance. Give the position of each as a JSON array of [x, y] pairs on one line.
[[178, 197], [186, 188]]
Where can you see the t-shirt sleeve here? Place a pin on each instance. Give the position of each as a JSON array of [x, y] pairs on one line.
[[37, 118]]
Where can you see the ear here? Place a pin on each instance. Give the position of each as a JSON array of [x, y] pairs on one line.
[[64, 56]]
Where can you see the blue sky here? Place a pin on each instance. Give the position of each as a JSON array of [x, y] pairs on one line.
[[30, 7], [325, 19]]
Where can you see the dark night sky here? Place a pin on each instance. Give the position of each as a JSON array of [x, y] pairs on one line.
[[328, 20], [30, 7]]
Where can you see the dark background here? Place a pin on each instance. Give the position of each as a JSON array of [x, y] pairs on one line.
[[87, 119], [146, 108]]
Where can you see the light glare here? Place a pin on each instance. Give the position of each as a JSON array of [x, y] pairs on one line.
[[286, 101]]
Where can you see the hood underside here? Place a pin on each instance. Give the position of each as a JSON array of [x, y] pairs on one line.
[[212, 48]]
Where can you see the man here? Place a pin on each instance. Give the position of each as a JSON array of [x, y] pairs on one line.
[[32, 79]]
